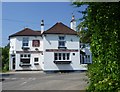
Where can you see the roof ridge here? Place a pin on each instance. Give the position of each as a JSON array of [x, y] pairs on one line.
[[55, 29], [58, 28], [26, 32]]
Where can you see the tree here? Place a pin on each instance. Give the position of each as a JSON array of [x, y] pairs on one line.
[[5, 58], [0, 58], [103, 24]]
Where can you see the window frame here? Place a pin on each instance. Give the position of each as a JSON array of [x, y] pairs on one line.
[[25, 56], [61, 41], [64, 56], [25, 42], [37, 59], [85, 59]]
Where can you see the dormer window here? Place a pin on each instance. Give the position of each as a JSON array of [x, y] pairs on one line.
[[25, 42], [61, 42]]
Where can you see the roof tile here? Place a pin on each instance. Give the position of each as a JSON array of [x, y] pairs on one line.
[[27, 32], [60, 28]]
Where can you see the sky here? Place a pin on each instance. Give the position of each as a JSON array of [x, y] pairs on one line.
[[18, 15]]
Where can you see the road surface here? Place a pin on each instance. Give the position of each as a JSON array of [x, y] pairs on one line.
[[43, 81]]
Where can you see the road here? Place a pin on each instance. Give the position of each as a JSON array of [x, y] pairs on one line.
[[43, 81]]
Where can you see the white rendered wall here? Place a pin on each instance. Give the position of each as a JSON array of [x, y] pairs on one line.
[[19, 40], [72, 42], [16, 45], [12, 44], [32, 67]]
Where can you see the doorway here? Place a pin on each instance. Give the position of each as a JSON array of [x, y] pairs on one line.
[[13, 63]]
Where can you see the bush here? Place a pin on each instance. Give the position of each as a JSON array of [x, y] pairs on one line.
[[5, 59], [102, 21]]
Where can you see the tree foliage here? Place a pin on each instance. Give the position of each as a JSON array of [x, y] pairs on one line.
[[102, 21], [0, 58], [5, 58]]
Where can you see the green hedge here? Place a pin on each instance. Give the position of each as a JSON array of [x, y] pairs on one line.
[[103, 22]]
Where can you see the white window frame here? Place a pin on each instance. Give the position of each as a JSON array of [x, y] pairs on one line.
[[62, 56], [25, 41], [27, 57], [85, 59], [88, 59], [36, 61], [61, 41]]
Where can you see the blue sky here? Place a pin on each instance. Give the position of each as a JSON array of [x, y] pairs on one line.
[[17, 16]]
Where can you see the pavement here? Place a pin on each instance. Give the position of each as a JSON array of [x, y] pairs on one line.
[[38, 80]]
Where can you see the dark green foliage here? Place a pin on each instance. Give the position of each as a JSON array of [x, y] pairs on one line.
[[103, 23], [0, 58], [5, 59]]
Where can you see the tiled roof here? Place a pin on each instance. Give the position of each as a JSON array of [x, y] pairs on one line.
[[60, 28], [27, 32]]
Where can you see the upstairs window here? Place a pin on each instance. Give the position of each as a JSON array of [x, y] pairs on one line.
[[61, 42], [25, 42]]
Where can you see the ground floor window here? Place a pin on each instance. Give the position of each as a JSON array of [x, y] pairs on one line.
[[88, 58], [36, 60], [61, 56], [84, 59], [25, 59]]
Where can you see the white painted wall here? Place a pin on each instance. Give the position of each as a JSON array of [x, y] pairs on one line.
[[16, 45], [51, 42], [32, 67], [12, 44], [19, 43]]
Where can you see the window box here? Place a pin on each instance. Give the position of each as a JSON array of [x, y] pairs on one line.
[[25, 48], [62, 47], [25, 64], [62, 62], [36, 63]]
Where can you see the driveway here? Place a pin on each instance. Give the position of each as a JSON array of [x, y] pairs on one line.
[[43, 81]]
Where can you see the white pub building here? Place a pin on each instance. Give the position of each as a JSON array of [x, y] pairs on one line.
[[55, 49]]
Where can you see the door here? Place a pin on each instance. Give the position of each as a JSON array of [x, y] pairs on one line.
[[13, 62]]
